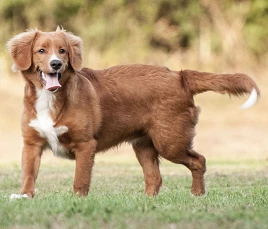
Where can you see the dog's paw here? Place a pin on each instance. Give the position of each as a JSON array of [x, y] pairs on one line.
[[18, 196]]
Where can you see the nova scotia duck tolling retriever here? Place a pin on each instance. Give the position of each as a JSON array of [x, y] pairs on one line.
[[77, 112]]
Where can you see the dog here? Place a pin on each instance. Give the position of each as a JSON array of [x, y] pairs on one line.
[[77, 112]]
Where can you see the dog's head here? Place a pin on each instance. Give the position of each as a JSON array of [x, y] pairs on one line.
[[46, 54]]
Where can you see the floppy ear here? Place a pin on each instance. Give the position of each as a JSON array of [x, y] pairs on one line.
[[76, 51], [20, 49]]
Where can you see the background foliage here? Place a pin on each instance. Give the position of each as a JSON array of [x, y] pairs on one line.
[[219, 34]]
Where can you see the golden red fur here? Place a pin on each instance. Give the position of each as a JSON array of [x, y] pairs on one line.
[[78, 112]]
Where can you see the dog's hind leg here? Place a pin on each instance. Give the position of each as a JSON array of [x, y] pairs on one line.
[[197, 165], [147, 156], [174, 143], [195, 162]]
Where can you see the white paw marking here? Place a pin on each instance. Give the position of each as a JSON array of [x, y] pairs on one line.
[[18, 196]]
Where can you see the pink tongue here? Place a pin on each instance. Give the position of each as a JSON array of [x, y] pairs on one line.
[[52, 81]]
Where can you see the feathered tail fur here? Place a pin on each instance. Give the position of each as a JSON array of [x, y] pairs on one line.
[[234, 84]]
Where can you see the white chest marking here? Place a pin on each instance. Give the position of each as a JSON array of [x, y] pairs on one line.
[[44, 124]]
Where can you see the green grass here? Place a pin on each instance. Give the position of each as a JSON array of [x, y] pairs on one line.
[[237, 197]]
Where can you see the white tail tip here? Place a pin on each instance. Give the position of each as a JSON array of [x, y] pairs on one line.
[[253, 98]]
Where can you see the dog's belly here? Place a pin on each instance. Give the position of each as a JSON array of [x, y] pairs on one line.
[[106, 141]]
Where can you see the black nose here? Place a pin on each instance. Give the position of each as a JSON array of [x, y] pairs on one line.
[[56, 64]]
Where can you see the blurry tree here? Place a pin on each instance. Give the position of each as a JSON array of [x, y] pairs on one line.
[[208, 29]]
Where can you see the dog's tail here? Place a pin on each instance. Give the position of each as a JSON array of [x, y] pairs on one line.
[[233, 84]]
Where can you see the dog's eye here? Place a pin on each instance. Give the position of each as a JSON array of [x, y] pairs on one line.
[[62, 51], [41, 50]]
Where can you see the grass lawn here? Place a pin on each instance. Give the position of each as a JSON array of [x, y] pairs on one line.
[[237, 197]]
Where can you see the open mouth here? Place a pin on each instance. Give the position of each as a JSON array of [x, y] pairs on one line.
[[50, 80]]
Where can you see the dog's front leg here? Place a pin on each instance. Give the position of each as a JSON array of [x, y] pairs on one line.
[[84, 156], [31, 155]]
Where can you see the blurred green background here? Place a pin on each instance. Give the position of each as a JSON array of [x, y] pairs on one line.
[[220, 34], [207, 35]]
